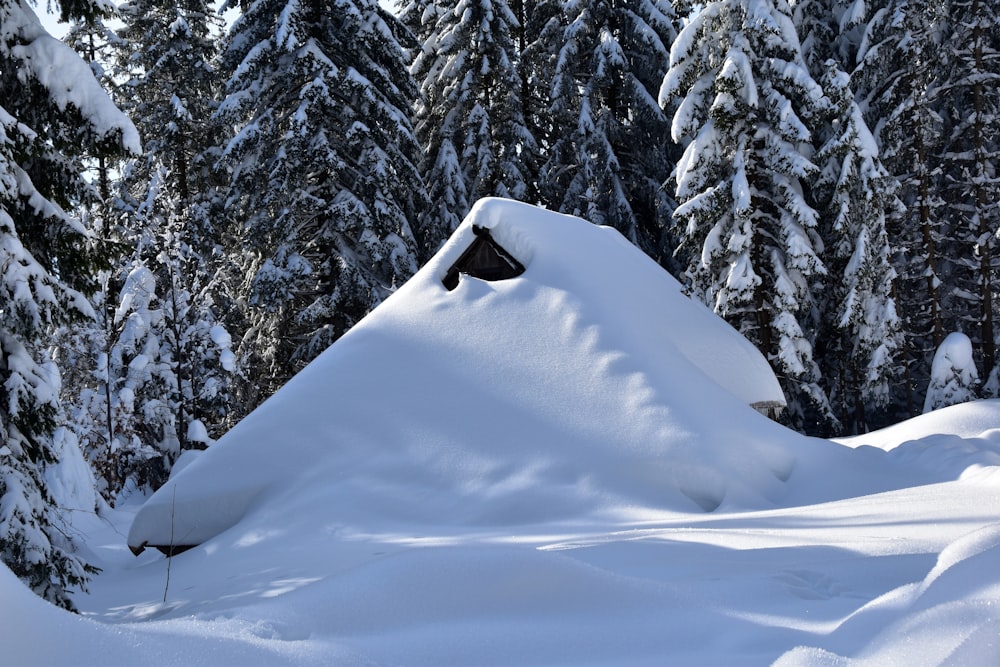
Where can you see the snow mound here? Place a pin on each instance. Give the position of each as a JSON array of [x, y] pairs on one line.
[[953, 373], [951, 617], [588, 386], [955, 441]]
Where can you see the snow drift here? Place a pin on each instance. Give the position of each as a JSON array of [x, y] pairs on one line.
[[577, 387]]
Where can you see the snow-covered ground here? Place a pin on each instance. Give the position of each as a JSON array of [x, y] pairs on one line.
[[546, 470]]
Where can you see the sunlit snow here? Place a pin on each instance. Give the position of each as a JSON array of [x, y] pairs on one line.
[[537, 471]]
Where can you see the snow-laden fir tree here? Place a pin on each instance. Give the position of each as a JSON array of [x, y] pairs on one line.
[[541, 35], [970, 105], [859, 328], [953, 377], [52, 111], [96, 42], [746, 105], [470, 117], [323, 167], [902, 62], [147, 370], [448, 200], [609, 153], [855, 196], [164, 369], [830, 30]]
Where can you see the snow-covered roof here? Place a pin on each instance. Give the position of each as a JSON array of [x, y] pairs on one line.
[[589, 383]]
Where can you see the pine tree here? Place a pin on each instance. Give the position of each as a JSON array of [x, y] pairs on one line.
[[902, 58], [609, 154], [470, 117], [859, 327], [52, 112], [542, 34], [970, 105], [324, 182], [90, 397], [170, 195], [448, 200], [148, 372], [747, 104], [830, 30], [96, 43]]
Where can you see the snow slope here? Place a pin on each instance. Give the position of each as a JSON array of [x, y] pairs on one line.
[[530, 488]]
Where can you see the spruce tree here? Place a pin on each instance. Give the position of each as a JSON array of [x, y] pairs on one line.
[[169, 218], [855, 196], [448, 200], [859, 327], [902, 62], [542, 31], [470, 118], [970, 105], [830, 30], [147, 372], [52, 112], [97, 43], [323, 173], [609, 153], [746, 106]]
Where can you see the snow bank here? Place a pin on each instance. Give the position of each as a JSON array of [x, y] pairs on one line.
[[956, 441]]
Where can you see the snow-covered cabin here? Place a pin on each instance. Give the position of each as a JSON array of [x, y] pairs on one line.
[[573, 374]]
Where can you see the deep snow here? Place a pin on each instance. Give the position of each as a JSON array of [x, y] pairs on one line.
[[518, 473], [573, 390]]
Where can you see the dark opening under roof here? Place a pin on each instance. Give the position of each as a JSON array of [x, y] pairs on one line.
[[484, 259]]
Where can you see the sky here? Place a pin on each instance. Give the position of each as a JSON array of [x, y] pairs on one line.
[[541, 470]]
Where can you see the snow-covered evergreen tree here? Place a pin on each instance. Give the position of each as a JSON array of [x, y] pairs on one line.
[[970, 105], [324, 180], [155, 371], [52, 111], [93, 412], [902, 62], [830, 30], [542, 31], [609, 154], [746, 105], [142, 370], [96, 42], [470, 117], [448, 200], [860, 328], [953, 376]]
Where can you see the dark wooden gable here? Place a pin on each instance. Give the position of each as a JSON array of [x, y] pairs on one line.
[[484, 259]]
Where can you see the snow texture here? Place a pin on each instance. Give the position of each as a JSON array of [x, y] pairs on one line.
[[506, 474]]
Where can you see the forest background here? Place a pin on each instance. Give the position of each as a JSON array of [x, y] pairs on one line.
[[822, 173]]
